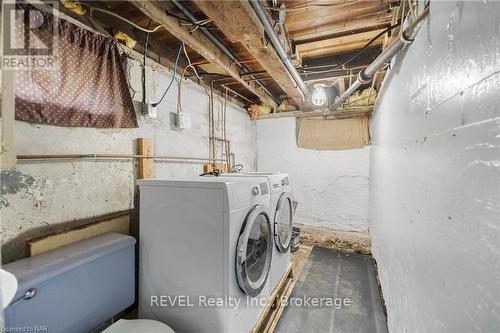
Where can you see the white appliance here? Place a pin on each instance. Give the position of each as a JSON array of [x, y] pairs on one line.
[[281, 215], [204, 240]]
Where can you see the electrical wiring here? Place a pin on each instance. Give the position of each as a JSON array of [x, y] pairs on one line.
[[173, 76], [190, 65], [189, 61], [92, 8], [146, 41], [201, 23], [307, 6], [179, 94], [191, 22], [357, 54]]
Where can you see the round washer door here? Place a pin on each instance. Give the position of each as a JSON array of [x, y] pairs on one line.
[[253, 252], [283, 223]]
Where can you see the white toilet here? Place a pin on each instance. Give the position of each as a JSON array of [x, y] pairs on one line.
[[77, 288], [138, 325]]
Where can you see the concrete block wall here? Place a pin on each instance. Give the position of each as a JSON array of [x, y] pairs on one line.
[[330, 186], [435, 174], [39, 197]]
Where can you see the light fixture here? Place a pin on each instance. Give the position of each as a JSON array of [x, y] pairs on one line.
[[319, 95]]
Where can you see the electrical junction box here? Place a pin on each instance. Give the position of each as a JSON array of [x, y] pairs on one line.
[[182, 121], [149, 110]]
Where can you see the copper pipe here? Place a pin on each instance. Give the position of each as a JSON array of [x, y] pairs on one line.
[[108, 157], [252, 73], [237, 94], [251, 80]]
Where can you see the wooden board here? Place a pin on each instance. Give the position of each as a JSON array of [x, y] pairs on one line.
[[146, 165], [115, 223], [213, 167], [274, 308]]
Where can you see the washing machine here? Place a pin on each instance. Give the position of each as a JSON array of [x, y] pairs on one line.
[[282, 217], [205, 252]]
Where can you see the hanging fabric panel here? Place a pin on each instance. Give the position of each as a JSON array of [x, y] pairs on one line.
[[87, 88], [339, 134]]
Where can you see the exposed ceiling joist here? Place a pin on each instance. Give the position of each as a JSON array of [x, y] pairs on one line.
[[339, 45], [321, 31], [335, 60], [200, 43], [238, 21], [340, 34], [348, 112]]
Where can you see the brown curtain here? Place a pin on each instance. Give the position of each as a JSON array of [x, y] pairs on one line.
[[88, 88]]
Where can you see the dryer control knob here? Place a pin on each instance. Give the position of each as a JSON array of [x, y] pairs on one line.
[[255, 190], [283, 182]]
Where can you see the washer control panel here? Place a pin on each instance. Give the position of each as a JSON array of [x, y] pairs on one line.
[[264, 189], [255, 190]]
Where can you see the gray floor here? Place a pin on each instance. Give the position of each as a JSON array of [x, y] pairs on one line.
[[330, 276]]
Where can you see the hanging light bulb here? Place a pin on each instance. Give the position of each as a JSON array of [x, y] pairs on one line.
[[319, 95]]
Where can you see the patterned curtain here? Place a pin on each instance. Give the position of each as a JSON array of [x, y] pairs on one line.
[[87, 88]]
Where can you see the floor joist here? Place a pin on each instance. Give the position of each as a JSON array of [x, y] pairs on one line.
[[200, 43], [238, 21]]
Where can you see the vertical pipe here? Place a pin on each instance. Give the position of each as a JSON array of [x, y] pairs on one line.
[[226, 143]]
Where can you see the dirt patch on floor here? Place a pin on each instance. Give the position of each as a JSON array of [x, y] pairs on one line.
[[347, 241], [339, 240]]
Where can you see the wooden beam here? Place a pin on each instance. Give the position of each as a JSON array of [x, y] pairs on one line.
[[198, 42], [339, 45], [238, 21], [113, 223], [348, 24], [146, 165], [347, 112], [312, 16], [163, 54], [344, 33], [368, 56]]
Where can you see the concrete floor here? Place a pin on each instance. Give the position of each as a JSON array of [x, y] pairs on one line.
[[336, 292], [339, 240], [344, 242]]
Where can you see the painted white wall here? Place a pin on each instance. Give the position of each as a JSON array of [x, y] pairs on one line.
[[330, 186], [435, 175], [40, 197]]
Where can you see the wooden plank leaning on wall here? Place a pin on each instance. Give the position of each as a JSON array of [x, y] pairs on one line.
[[112, 223]]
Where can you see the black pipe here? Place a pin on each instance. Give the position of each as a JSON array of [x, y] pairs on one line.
[[221, 46]]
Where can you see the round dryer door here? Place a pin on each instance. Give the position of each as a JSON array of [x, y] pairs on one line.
[[253, 257], [283, 223]]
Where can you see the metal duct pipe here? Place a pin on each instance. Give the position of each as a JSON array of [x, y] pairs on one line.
[[273, 37], [222, 47], [365, 76]]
